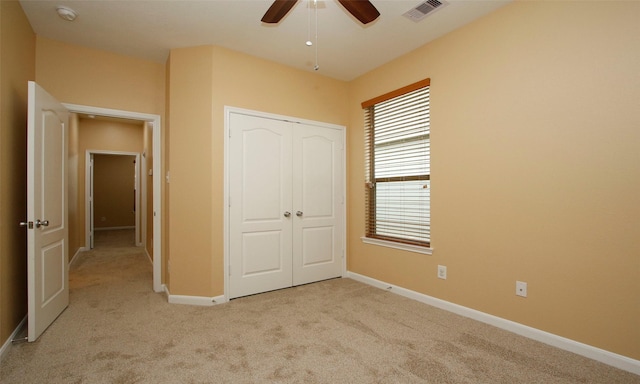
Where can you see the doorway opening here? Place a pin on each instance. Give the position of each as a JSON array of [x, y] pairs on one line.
[[154, 170], [115, 197]]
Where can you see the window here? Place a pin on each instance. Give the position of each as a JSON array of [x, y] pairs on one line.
[[398, 171]]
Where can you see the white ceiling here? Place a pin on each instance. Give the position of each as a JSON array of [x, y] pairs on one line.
[[346, 49]]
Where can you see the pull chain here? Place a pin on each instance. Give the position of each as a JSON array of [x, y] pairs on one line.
[[309, 43], [315, 6]]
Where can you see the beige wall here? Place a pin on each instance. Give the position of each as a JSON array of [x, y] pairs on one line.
[[202, 81], [85, 76], [76, 232], [166, 192], [113, 191], [17, 66], [190, 132], [535, 171]]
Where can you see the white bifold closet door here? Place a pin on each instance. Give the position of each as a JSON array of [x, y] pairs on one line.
[[286, 204]]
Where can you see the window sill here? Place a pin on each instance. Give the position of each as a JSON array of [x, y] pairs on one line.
[[404, 247]]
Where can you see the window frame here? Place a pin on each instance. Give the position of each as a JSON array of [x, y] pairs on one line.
[[371, 237]]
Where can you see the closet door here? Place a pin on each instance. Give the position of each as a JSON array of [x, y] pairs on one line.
[[286, 204], [260, 228], [317, 202]]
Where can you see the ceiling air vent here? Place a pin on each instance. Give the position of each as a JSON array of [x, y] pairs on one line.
[[420, 11]]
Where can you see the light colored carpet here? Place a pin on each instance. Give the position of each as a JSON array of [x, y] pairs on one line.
[[114, 238], [116, 330]]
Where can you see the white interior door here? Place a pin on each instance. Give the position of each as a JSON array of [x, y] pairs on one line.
[[286, 206], [260, 205], [47, 233], [318, 201]]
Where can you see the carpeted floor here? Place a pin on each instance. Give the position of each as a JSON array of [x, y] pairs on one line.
[[116, 330], [114, 238]]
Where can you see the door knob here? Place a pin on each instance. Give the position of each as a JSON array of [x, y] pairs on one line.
[[287, 214], [299, 213], [43, 223], [28, 224]]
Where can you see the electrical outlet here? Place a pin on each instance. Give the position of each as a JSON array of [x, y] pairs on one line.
[[521, 288], [442, 272]]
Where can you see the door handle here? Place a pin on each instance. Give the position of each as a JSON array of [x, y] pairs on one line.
[[299, 213], [287, 214], [28, 224], [43, 223]]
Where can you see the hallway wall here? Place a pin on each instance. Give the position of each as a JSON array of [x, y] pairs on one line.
[[114, 191]]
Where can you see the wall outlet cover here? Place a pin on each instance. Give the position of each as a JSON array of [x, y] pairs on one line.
[[442, 272], [521, 288]]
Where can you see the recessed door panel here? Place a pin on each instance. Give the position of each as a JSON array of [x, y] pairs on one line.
[[261, 253], [318, 156], [54, 264], [317, 246], [262, 176], [52, 162]]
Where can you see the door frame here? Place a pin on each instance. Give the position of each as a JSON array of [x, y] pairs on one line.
[[228, 110], [140, 196], [155, 122]]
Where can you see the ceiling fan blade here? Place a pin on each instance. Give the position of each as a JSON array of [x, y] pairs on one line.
[[362, 10], [278, 10]]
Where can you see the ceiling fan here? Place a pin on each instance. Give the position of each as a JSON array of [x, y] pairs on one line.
[[362, 10]]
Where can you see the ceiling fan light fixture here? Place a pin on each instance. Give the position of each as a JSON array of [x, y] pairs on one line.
[[66, 13]]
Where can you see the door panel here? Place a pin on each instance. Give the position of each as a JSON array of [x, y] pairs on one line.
[[263, 174], [317, 177], [317, 169], [266, 244], [317, 246], [260, 193], [53, 259], [47, 246], [53, 160]]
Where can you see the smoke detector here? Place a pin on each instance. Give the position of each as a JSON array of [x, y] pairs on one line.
[[423, 9], [66, 13]]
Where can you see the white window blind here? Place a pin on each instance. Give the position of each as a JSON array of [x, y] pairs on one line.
[[398, 174]]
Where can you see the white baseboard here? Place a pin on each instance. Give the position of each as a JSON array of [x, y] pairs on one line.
[[78, 252], [194, 300], [7, 344], [601, 355]]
